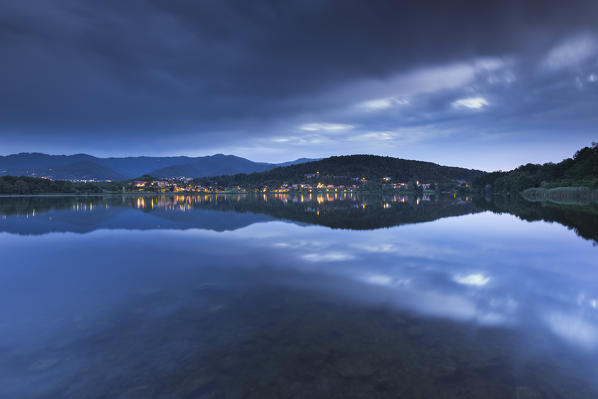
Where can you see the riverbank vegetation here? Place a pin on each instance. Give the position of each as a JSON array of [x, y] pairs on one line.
[[23, 185], [563, 195], [579, 171]]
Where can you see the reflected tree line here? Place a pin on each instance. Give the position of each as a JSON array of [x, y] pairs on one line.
[[355, 211], [359, 212], [581, 218]]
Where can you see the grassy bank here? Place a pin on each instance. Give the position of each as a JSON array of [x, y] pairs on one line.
[[562, 195]]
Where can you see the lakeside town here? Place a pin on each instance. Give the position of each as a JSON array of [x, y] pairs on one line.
[[312, 183]]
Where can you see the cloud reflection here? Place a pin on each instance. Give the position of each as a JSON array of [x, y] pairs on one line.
[[327, 257], [573, 329], [476, 279], [426, 269]]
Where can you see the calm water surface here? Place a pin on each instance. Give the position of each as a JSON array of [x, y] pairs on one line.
[[296, 297]]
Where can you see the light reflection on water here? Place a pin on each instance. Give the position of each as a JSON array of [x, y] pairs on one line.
[[204, 301]]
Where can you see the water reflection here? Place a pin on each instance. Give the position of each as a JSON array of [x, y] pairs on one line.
[[339, 210], [582, 218], [346, 211], [481, 305]]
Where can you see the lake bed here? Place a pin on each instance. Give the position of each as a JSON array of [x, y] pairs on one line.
[[283, 296]]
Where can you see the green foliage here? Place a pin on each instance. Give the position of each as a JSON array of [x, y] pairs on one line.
[[146, 178], [31, 185], [570, 194], [581, 170]]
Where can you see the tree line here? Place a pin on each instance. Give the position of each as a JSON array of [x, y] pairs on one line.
[[581, 170], [24, 185], [344, 169]]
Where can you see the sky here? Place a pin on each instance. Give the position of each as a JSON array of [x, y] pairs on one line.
[[487, 85]]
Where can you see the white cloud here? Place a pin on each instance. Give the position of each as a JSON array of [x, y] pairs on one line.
[[502, 77], [379, 279], [573, 329], [571, 52], [582, 300], [476, 279], [326, 127], [509, 305], [327, 257], [490, 64], [471, 103], [491, 319], [402, 136], [380, 93], [379, 136], [385, 280], [593, 78], [378, 248], [383, 103], [431, 80], [299, 140]]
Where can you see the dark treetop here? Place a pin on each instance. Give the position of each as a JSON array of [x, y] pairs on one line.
[[345, 168], [581, 170]]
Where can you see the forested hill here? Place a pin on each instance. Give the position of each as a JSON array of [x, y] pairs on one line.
[[24, 185], [347, 167], [581, 170]]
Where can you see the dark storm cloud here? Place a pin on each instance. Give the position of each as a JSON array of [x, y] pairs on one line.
[[99, 74]]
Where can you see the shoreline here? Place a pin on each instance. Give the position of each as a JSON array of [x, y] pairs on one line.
[[149, 194], [561, 195], [67, 195]]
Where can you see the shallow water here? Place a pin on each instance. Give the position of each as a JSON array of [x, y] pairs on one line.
[[283, 296]]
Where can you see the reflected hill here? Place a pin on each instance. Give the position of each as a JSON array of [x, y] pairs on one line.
[[41, 215], [581, 218], [351, 211]]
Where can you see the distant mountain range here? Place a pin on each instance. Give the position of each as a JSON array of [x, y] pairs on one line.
[[87, 167]]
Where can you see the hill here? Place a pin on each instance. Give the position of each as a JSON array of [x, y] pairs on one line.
[[339, 169], [218, 164], [81, 170], [581, 170], [10, 185], [87, 167]]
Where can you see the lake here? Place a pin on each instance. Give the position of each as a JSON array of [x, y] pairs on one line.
[[297, 296]]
